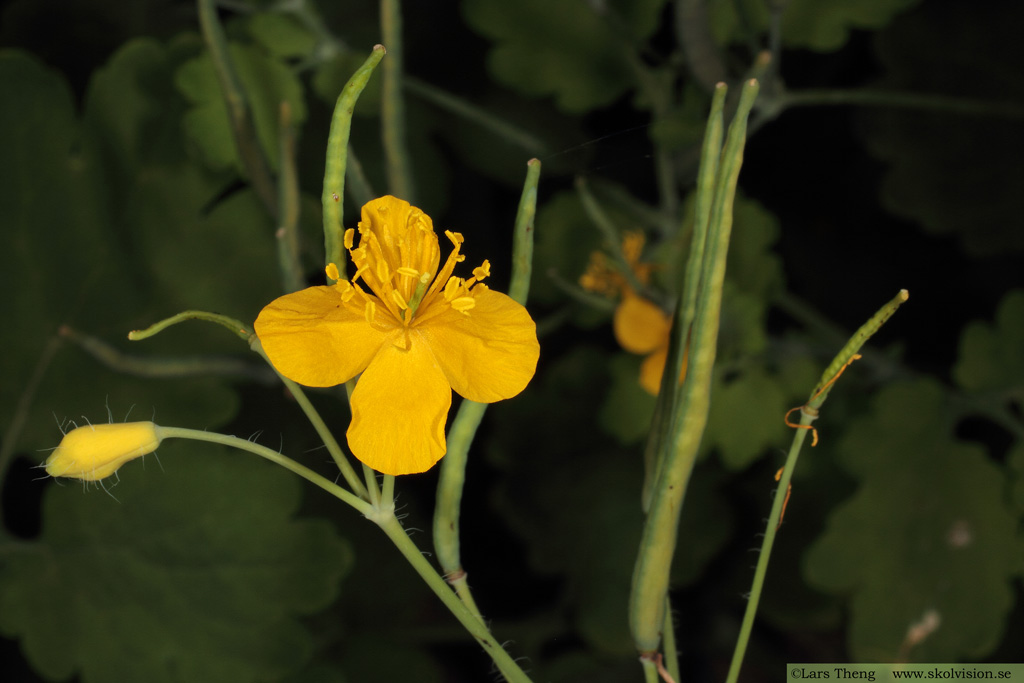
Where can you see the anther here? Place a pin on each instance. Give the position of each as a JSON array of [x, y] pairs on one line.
[[463, 304]]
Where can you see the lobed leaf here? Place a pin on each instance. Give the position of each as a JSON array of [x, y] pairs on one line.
[[928, 530], [196, 571]]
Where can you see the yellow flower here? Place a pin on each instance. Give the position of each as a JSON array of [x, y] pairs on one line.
[[414, 334], [95, 452], [640, 326]]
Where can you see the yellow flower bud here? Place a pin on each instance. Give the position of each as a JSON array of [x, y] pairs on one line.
[[95, 452]]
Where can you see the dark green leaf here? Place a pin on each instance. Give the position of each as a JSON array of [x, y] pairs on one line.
[[928, 531], [565, 49], [197, 572], [990, 355]]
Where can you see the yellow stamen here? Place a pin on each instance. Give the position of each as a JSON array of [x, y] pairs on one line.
[[483, 271], [451, 288], [463, 304], [350, 237], [399, 301], [370, 311], [408, 272], [332, 271], [383, 274]]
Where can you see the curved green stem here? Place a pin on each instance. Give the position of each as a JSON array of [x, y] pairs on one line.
[[474, 114], [166, 366], [21, 411], [333, 196], [273, 456], [300, 396], [774, 519], [235, 326], [385, 519], [808, 413], [392, 105], [325, 434]]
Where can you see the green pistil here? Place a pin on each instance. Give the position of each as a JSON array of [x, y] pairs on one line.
[[417, 296]]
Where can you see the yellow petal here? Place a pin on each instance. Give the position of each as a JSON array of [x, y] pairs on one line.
[[488, 354], [652, 369], [639, 325], [314, 339], [399, 408]]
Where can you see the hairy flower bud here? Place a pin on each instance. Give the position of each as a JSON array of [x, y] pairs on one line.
[[95, 452]]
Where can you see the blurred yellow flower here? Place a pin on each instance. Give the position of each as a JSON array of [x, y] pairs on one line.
[[415, 335], [640, 325], [95, 452]]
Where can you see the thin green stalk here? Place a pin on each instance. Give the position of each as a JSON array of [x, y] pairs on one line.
[[808, 413], [386, 520], [669, 644], [224, 321], [21, 410], [650, 670], [392, 105], [333, 194], [387, 491], [460, 437], [895, 100], [234, 442], [658, 542], [242, 127], [742, 640], [474, 114], [325, 434], [373, 491], [253, 341], [166, 366], [610, 232], [288, 203]]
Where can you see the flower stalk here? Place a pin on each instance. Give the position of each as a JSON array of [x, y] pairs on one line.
[[808, 413]]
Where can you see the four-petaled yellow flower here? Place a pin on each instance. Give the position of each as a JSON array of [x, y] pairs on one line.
[[414, 334], [640, 325]]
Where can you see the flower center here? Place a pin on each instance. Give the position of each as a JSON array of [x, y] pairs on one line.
[[397, 259]]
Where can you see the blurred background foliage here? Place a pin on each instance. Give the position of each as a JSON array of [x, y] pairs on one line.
[[885, 152]]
